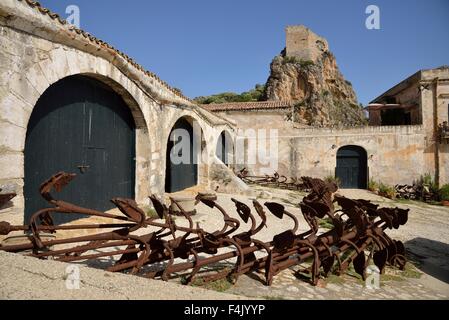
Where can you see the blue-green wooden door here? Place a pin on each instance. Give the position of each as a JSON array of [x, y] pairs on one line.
[[352, 169], [81, 126]]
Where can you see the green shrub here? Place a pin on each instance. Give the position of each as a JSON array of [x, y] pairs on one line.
[[444, 192], [373, 186], [288, 60], [386, 191], [296, 60], [383, 187], [306, 63], [255, 94]]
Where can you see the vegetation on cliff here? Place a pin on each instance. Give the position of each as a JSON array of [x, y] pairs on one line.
[[255, 94]]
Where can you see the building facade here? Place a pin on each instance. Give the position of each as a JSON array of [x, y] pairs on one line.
[[400, 144], [422, 99], [71, 102]]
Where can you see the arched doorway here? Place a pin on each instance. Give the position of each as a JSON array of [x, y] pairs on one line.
[[182, 173], [225, 148], [80, 125], [352, 167]]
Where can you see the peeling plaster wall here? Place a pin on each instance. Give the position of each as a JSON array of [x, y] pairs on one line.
[[396, 154], [435, 101]]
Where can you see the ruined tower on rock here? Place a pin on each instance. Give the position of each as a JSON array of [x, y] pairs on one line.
[[307, 74]]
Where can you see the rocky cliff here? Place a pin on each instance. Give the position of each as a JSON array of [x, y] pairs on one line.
[[306, 73]]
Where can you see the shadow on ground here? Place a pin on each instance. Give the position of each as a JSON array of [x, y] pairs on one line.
[[430, 256]]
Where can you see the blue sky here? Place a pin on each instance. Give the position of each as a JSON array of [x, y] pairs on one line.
[[211, 46]]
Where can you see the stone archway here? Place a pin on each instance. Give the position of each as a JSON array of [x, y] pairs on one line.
[[80, 125], [352, 167], [24, 91], [182, 156], [225, 148]]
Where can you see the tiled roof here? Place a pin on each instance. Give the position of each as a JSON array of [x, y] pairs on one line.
[[37, 6], [244, 106]]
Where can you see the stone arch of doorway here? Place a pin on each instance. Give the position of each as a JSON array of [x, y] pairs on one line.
[[181, 176], [82, 123], [225, 148], [25, 89], [352, 167]]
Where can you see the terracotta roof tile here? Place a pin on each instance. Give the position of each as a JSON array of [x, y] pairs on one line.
[[244, 106], [54, 16]]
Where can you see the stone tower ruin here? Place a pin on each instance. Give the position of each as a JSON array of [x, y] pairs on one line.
[[304, 44]]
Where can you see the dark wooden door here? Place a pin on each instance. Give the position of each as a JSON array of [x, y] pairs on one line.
[[222, 152], [352, 167], [81, 126], [183, 175]]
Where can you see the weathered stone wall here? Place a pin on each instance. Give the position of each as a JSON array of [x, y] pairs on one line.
[[435, 101], [36, 51], [443, 115], [429, 89], [258, 118], [395, 154]]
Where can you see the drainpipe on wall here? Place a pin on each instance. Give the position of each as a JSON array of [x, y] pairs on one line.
[[435, 132]]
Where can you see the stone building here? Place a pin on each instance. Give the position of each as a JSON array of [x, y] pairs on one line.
[[420, 100], [304, 44], [401, 142], [262, 114], [71, 102]]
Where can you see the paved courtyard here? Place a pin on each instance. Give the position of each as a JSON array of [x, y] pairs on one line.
[[425, 236]]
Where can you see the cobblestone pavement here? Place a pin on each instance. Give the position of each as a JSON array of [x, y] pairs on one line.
[[286, 285], [426, 276]]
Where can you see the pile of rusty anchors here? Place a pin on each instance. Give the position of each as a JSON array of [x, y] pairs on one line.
[[416, 191], [358, 237], [274, 181]]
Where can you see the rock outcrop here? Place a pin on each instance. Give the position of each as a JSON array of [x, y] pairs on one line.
[[306, 73]]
